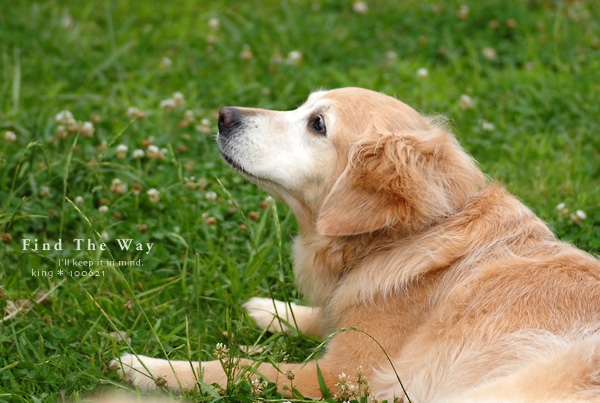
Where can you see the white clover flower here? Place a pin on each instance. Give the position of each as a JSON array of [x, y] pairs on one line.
[[67, 21], [188, 116], [138, 154], [135, 113], [95, 118], [360, 7], [45, 191], [422, 73], [118, 187], [210, 41], [465, 102], [257, 386], [64, 117], [103, 209], [204, 126], [73, 126], [578, 217], [220, 352], [487, 125], [9, 136], [344, 383], [562, 209], [154, 153], [190, 183], [62, 132], [391, 55], [294, 58], [136, 188], [153, 195], [167, 105], [178, 99], [165, 63], [463, 12], [87, 129], [121, 151], [246, 53], [203, 183], [276, 58], [211, 196], [214, 24], [79, 200], [489, 53], [148, 141]]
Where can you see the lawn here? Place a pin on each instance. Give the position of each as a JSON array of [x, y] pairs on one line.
[[519, 81]]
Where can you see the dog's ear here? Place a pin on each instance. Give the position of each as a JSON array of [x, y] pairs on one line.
[[401, 181]]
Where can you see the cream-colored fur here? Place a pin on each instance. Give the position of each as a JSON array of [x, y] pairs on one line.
[[469, 293], [276, 316]]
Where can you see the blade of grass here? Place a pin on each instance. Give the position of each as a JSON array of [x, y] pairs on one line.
[[322, 384], [16, 88]]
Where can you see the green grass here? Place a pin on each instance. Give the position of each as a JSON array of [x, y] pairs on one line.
[[540, 92]]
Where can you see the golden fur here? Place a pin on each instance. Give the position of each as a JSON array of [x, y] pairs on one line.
[[469, 293]]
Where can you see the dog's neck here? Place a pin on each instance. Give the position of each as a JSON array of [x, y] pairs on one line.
[[322, 264]]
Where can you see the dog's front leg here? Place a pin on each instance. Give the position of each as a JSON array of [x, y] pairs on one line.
[[153, 373], [278, 316]]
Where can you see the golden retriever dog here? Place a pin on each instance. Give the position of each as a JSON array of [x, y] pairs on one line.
[[429, 274]]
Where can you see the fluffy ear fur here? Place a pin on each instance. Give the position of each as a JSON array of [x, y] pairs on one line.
[[401, 181]]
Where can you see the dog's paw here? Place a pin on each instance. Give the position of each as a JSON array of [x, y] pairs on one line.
[[146, 373], [269, 314]]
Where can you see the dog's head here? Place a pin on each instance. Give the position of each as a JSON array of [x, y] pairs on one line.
[[351, 161]]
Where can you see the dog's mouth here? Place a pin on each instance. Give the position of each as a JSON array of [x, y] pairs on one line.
[[235, 165], [267, 185], [239, 168]]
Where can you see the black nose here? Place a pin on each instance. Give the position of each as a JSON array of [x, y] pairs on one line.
[[229, 119]]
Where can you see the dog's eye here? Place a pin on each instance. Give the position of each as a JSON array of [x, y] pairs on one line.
[[318, 125]]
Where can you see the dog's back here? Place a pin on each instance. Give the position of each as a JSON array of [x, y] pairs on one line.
[[514, 303]]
